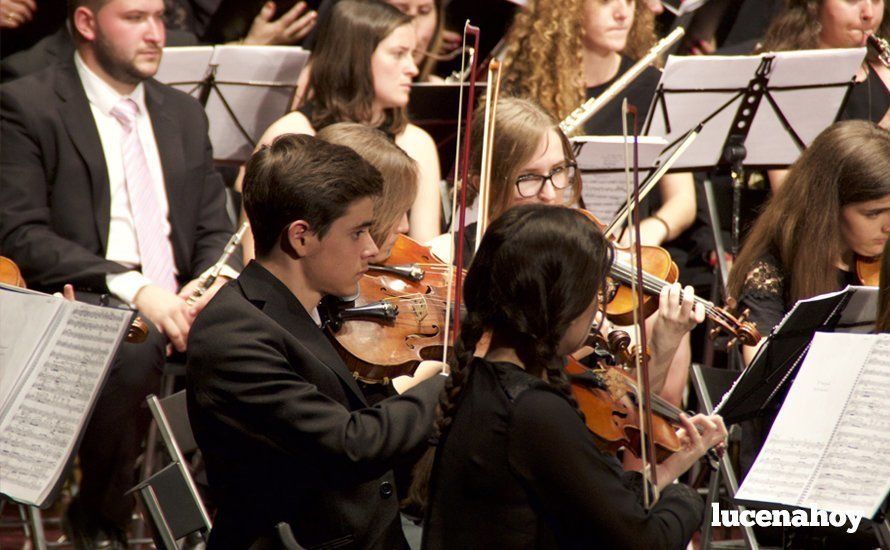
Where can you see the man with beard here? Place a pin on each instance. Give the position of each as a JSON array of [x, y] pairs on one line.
[[107, 182]]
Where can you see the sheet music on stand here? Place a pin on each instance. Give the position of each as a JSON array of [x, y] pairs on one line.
[[851, 310], [601, 163], [55, 355], [829, 446], [804, 93], [244, 89]]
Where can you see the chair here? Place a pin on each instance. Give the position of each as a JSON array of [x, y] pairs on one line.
[[170, 496]]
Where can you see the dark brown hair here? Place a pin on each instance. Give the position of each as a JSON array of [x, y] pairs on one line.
[[797, 27], [299, 177], [849, 162], [341, 84], [554, 257]]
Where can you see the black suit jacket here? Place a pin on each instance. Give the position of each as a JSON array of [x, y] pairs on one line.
[[54, 191], [286, 433]]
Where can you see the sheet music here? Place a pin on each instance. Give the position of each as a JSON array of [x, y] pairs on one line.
[[601, 161], [255, 86], [857, 316], [829, 446], [40, 423], [695, 87]]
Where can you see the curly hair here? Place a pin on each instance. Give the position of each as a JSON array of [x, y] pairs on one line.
[[797, 27], [544, 57]]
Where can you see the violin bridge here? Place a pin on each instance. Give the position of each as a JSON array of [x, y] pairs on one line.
[[419, 308]]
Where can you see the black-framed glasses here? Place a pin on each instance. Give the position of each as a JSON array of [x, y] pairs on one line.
[[561, 177]]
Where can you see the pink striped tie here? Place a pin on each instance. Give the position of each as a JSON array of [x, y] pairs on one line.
[[154, 247]]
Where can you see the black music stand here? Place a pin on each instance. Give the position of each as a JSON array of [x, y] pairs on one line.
[[758, 111], [766, 380], [244, 89]]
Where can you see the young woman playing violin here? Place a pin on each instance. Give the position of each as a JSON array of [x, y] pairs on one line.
[[515, 466], [833, 208], [561, 52], [362, 68], [533, 163]]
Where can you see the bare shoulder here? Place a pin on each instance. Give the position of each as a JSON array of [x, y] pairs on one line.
[[294, 122], [415, 141]]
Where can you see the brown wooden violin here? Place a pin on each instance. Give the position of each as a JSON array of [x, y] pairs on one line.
[[609, 399], [397, 317], [868, 270], [659, 270]]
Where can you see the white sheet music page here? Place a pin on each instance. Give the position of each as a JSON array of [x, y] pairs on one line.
[[40, 423], [601, 161], [829, 445]]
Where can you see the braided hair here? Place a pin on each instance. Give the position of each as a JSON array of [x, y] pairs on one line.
[[538, 268]]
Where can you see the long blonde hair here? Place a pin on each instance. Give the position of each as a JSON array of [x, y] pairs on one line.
[[544, 57], [399, 171]]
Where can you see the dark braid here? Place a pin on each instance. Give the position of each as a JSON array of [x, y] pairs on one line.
[[471, 330]]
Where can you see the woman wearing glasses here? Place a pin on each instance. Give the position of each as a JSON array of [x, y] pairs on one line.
[[533, 163]]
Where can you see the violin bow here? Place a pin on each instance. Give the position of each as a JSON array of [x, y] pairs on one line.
[[644, 400], [491, 102], [459, 193]]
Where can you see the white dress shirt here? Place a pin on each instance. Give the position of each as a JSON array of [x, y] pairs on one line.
[[123, 246]]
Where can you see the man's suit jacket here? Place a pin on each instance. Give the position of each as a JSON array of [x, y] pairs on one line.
[[285, 431], [54, 190]]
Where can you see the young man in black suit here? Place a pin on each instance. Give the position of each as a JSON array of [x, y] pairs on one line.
[[107, 182], [286, 432]]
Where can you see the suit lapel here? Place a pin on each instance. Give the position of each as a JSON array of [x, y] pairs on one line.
[[78, 119], [170, 149], [278, 302]]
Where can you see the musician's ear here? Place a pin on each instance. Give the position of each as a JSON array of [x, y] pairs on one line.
[[299, 239], [84, 23]]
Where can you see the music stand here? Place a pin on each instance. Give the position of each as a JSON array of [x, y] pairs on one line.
[[758, 111], [601, 164], [244, 89], [853, 309], [433, 107]]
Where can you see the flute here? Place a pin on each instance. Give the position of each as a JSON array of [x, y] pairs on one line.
[[582, 114], [211, 276]]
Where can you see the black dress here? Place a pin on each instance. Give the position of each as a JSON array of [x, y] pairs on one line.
[[869, 99], [639, 93], [519, 469]]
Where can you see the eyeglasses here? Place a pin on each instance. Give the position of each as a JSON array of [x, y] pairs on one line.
[[529, 185]]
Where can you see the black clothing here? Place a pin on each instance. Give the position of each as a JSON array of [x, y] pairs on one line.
[[285, 431], [54, 222], [869, 99], [640, 92], [519, 469]]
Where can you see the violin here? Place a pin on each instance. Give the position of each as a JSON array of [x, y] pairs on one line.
[[659, 270], [11, 275], [397, 317], [608, 397], [868, 270]]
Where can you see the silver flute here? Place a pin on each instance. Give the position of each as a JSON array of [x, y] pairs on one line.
[[582, 114], [211, 276]]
